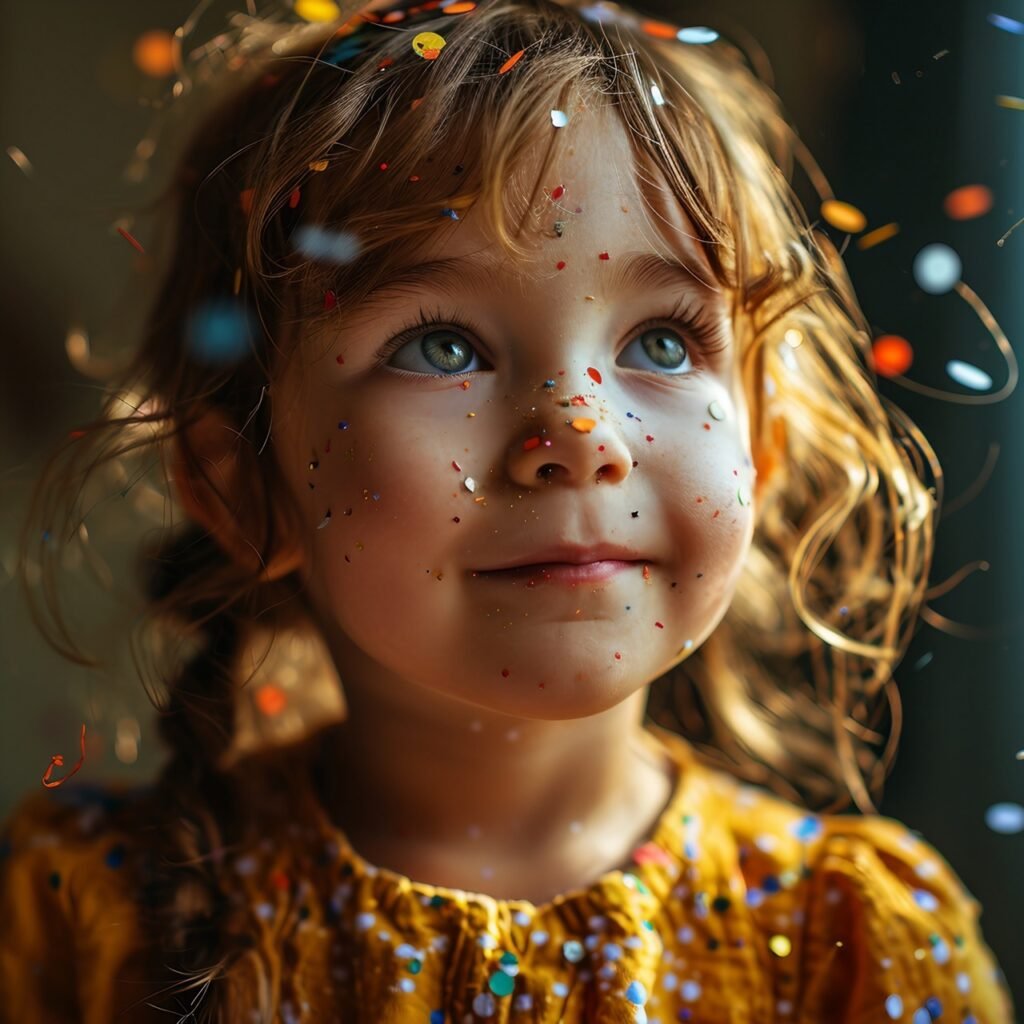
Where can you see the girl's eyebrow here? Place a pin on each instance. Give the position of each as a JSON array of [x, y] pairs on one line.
[[633, 270]]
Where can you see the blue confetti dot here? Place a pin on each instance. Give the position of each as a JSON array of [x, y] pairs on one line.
[[55, 880], [770, 884], [115, 857], [934, 1007], [937, 268], [218, 331], [636, 993], [437, 1017], [921, 1016]]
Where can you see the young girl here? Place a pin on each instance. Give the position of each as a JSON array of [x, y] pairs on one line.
[[456, 289]]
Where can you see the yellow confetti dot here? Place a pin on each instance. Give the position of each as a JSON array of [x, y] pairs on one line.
[[1010, 102], [317, 10], [780, 945], [318, 165], [583, 425], [428, 45], [882, 234], [153, 53], [843, 216]]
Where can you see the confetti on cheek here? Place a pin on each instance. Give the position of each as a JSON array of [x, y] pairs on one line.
[[57, 760], [583, 424], [594, 374]]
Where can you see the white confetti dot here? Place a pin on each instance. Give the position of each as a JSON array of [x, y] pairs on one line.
[[937, 268], [894, 1007], [559, 118], [690, 991], [560, 989]]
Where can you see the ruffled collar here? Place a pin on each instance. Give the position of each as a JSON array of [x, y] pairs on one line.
[[657, 861]]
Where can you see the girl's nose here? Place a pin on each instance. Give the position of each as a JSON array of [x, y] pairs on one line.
[[570, 443]]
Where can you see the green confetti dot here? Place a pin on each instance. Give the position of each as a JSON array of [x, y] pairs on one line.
[[501, 984]]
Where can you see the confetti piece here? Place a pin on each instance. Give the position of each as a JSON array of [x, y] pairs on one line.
[[463, 7], [293, 199], [1010, 102], [559, 118], [658, 29], [271, 699], [318, 165], [1006, 24], [891, 355], [330, 301], [428, 45], [128, 238], [57, 760], [20, 159], [968, 202], [583, 424], [969, 376], [511, 63], [882, 234], [1006, 818], [698, 35], [780, 945], [317, 10], [339, 247], [937, 268], [594, 374], [153, 53], [843, 216], [218, 331], [557, 192], [659, 100], [602, 256]]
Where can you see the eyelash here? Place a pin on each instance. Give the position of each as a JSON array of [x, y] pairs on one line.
[[701, 326]]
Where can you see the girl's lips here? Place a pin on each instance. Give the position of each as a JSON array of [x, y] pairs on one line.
[[560, 572]]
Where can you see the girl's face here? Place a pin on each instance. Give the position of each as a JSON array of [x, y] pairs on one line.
[[388, 445]]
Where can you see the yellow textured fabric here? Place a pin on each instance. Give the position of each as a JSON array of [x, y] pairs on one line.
[[740, 908]]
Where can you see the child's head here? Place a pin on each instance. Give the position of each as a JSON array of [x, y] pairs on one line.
[[720, 421]]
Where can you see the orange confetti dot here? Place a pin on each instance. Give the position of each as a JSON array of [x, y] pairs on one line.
[[271, 699], [245, 198], [843, 216], [594, 374], [892, 355], [153, 53], [658, 29], [583, 425], [511, 62], [882, 234], [460, 8], [293, 199], [968, 202]]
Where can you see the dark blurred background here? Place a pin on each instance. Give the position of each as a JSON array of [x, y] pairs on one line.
[[898, 103]]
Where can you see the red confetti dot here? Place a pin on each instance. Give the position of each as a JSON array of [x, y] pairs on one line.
[[530, 443], [650, 437], [383, 167], [892, 355], [132, 240], [968, 202], [600, 447], [594, 374], [245, 198], [279, 880], [618, 657], [504, 672], [560, 264], [651, 853], [330, 300], [604, 256], [340, 360], [659, 625], [558, 192], [293, 199], [456, 466], [510, 63], [76, 434]]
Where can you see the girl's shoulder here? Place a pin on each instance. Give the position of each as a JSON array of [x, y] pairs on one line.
[[863, 918], [71, 860]]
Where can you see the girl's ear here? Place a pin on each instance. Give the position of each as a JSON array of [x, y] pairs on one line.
[[218, 501]]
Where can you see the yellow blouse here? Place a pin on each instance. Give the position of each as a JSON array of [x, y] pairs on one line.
[[741, 908]]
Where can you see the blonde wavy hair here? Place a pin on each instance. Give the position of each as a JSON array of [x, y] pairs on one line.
[[794, 689]]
